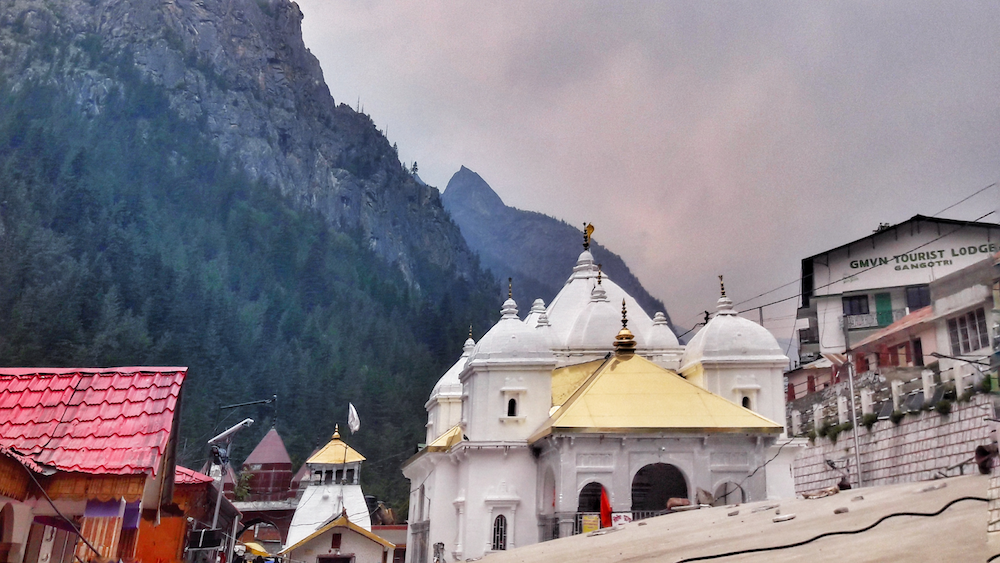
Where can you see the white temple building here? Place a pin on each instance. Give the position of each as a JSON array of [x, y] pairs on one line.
[[568, 420], [333, 491]]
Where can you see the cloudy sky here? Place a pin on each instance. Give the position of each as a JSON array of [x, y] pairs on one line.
[[700, 138]]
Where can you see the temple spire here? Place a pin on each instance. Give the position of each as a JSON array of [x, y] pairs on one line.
[[624, 341], [588, 230]]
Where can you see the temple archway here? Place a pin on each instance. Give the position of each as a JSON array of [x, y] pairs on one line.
[[590, 498], [655, 484]]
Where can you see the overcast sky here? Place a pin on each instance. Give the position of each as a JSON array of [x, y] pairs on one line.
[[699, 138]]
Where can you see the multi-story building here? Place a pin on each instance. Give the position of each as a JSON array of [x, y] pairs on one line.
[[852, 291]]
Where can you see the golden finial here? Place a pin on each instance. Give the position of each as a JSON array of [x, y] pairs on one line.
[[722, 286], [588, 229], [336, 432], [510, 288], [624, 342], [470, 331], [598, 274]]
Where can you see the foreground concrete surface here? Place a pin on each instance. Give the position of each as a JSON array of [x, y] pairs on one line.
[[958, 534]]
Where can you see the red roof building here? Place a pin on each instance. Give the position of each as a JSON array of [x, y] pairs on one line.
[[270, 470], [100, 442]]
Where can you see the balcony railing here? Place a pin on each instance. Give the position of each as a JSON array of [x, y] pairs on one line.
[[873, 320], [549, 525]]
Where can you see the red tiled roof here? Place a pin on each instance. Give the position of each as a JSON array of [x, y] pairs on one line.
[[909, 321], [271, 449], [93, 420], [185, 476]]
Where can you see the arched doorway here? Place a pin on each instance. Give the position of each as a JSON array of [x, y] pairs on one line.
[[655, 484], [593, 508], [590, 498], [728, 493]]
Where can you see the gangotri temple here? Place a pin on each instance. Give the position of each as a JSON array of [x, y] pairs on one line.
[[587, 412]]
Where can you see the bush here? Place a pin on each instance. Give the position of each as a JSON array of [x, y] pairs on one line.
[[967, 395], [835, 431], [824, 430], [943, 407], [812, 437], [896, 416], [986, 385], [869, 420]]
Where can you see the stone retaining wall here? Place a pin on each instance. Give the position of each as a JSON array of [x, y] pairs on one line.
[[913, 450]]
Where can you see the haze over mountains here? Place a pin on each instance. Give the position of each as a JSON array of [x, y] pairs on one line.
[[178, 187], [536, 250]]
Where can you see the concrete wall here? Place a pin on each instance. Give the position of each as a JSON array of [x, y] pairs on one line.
[[913, 450]]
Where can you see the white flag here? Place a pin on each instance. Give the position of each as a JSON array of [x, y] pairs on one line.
[[353, 422]]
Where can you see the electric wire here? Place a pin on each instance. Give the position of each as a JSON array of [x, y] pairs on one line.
[[76, 530], [831, 534], [799, 294], [798, 280]]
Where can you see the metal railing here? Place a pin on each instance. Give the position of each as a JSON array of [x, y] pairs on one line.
[[873, 320]]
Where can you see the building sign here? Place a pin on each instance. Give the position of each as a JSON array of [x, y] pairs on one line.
[[924, 259], [590, 522]]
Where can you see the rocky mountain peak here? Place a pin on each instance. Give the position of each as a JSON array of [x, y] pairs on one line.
[[467, 190]]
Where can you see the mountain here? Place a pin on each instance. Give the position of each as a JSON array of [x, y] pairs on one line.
[[536, 250], [178, 187]]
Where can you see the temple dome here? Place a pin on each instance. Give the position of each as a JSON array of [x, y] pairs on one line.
[[596, 325], [660, 335], [729, 337], [512, 339], [449, 383], [575, 322]]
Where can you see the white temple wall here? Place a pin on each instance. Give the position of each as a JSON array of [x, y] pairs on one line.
[[706, 462], [763, 384], [489, 391], [491, 481]]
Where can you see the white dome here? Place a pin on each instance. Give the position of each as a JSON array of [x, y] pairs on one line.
[[537, 309], [731, 337], [660, 336], [570, 312], [596, 326], [511, 339], [449, 383]]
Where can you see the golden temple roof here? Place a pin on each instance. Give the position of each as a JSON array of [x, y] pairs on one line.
[[336, 452], [566, 380], [629, 394], [445, 441], [341, 521]]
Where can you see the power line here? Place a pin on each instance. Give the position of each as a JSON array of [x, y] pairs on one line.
[[967, 198], [799, 279], [799, 294], [977, 192], [837, 533]]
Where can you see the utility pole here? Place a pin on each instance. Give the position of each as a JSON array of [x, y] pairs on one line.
[[854, 417]]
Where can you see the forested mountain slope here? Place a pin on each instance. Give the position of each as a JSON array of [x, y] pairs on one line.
[[177, 187]]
